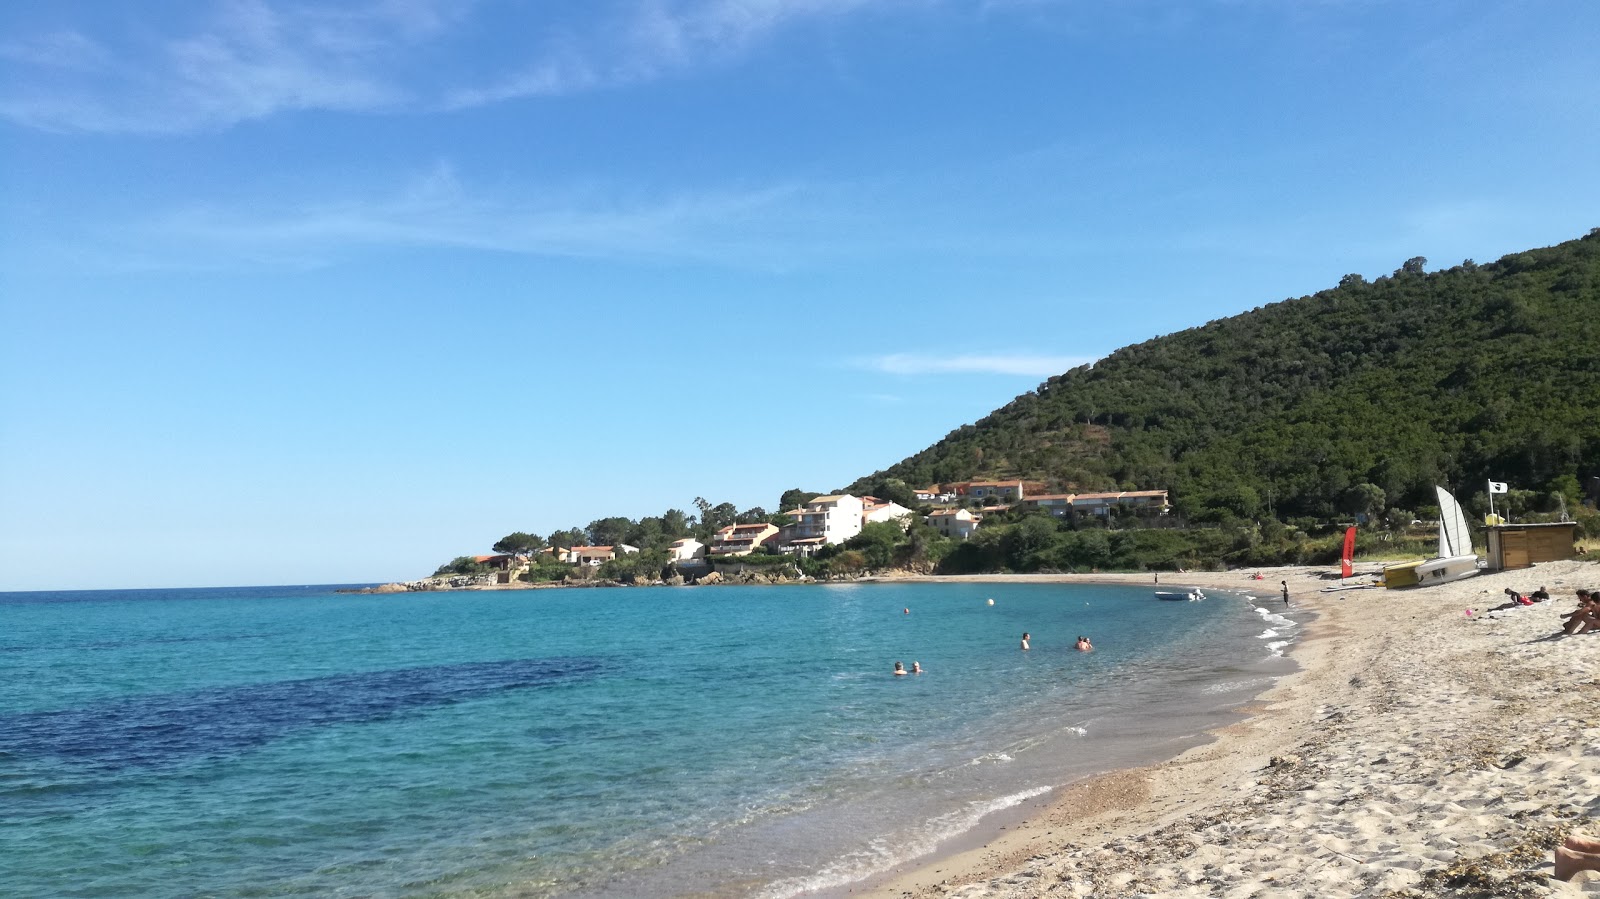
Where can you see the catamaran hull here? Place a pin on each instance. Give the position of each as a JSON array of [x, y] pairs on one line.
[[1431, 572], [1443, 571]]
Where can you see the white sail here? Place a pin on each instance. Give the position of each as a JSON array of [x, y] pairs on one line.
[[1454, 538]]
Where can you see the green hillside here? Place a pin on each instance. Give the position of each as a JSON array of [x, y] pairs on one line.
[[1307, 407]]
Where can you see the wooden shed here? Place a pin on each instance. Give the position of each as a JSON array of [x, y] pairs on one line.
[[1521, 545]]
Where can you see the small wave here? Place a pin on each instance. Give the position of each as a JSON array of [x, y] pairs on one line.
[[1273, 618], [1277, 648], [1080, 731], [883, 853], [1235, 685], [1267, 634], [990, 757]]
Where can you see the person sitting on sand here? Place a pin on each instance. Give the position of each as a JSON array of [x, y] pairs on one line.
[[1576, 854], [1539, 595], [916, 667], [1024, 639], [1084, 645], [1586, 617], [899, 668]]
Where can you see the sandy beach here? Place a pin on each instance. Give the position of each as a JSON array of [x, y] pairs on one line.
[[1419, 751]]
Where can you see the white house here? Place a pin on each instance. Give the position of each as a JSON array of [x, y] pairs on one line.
[[874, 509], [594, 555], [835, 518], [687, 549], [957, 523]]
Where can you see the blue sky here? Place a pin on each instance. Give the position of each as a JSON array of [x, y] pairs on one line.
[[318, 292]]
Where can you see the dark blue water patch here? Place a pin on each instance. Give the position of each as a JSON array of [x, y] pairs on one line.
[[168, 728]]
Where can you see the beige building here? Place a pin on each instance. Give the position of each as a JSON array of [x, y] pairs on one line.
[[743, 539], [957, 523]]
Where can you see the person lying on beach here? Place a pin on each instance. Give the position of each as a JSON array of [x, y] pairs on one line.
[[1515, 601], [1576, 854], [1539, 595], [899, 668]]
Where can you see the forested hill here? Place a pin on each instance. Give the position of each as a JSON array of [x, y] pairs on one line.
[[1302, 407]]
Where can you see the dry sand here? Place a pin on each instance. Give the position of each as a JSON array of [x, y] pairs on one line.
[[1418, 752]]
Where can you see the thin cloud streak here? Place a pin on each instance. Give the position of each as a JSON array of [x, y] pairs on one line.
[[252, 59], [921, 364], [437, 211]]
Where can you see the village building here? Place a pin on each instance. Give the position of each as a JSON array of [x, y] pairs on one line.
[[956, 523], [874, 509], [743, 539], [1005, 490], [834, 518], [686, 549], [592, 556]]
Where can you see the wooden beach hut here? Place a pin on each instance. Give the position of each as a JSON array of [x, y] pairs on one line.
[[1521, 545]]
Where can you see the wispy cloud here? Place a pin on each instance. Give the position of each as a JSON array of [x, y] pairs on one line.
[[437, 210], [941, 364], [250, 59]]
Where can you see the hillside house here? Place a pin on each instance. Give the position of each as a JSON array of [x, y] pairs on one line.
[[956, 523], [835, 518], [1003, 490], [592, 556], [687, 549], [742, 539], [874, 509]]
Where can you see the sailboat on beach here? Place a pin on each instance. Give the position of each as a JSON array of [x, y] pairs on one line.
[[1456, 559]]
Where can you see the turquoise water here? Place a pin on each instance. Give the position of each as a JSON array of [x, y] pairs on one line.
[[644, 742]]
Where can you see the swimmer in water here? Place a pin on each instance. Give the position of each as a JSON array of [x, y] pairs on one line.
[[899, 669], [1024, 639], [916, 667], [1084, 645]]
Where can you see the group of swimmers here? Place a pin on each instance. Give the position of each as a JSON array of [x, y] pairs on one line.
[[1083, 644]]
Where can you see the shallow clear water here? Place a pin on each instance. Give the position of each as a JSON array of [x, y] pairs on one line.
[[644, 742]]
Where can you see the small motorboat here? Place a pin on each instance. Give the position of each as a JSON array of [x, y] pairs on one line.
[[1180, 595]]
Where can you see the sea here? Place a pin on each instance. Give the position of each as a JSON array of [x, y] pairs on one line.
[[639, 742]]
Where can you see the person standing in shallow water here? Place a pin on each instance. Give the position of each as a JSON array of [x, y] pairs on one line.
[[1285, 585], [1024, 639]]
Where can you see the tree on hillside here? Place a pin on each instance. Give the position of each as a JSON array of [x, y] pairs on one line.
[[519, 544], [752, 515], [675, 523], [568, 538], [609, 531], [895, 490], [795, 498]]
